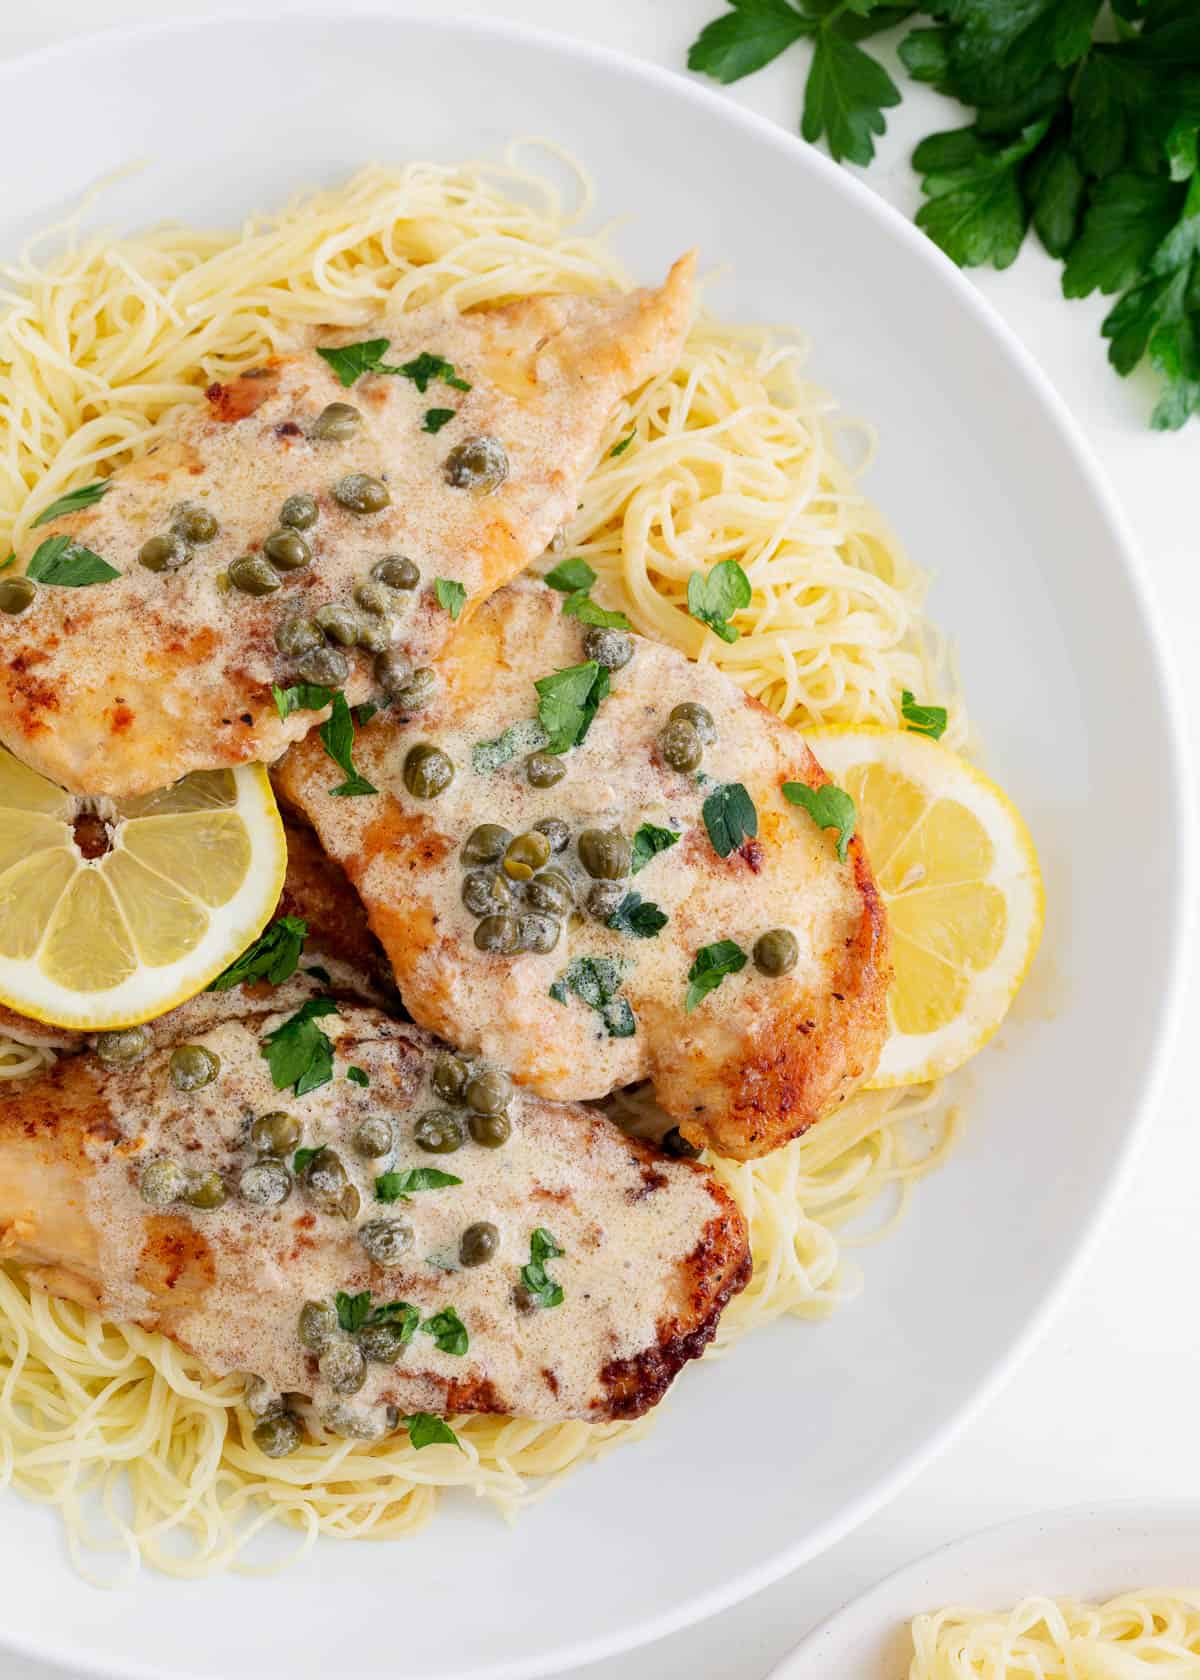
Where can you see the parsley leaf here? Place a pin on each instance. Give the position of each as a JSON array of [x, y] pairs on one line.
[[63, 561], [363, 714], [301, 1159], [436, 418], [845, 99], [351, 361], [829, 807], [541, 1288], [596, 982], [358, 1076], [399, 1186], [637, 916], [568, 701], [337, 737], [448, 1331], [524, 736], [570, 576], [715, 598], [581, 606], [975, 208], [298, 1053], [426, 1430], [407, 1318], [74, 501], [355, 1312], [742, 41], [712, 964], [450, 594], [273, 957], [352, 1310], [301, 697], [620, 448], [427, 366], [730, 817], [923, 720], [648, 842]]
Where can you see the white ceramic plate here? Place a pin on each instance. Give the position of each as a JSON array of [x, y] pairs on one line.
[[1091, 1553], [762, 1460]]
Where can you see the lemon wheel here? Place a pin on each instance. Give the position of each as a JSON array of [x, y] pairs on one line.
[[957, 869], [113, 912]]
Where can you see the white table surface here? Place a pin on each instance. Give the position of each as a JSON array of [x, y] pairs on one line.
[[1106, 1406]]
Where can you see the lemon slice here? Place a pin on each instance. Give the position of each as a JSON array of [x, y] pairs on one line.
[[113, 912], [959, 875]]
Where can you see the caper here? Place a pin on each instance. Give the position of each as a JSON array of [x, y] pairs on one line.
[[382, 1344], [674, 1143], [610, 648], [538, 934], [336, 423], [372, 1137], [497, 934], [478, 464], [491, 1130], [16, 594], [385, 1240], [253, 575], [427, 771], [349, 1203], [276, 1133], [700, 718], [276, 1437], [556, 831], [776, 951], [325, 1178], [373, 598], [551, 891], [485, 893], [337, 622], [417, 693], [287, 550], [195, 524], [265, 1184], [192, 1066], [343, 1367], [124, 1047], [300, 512], [478, 1243], [525, 855], [605, 853], [604, 897], [164, 554], [489, 1091], [440, 1132], [295, 636], [397, 571], [485, 844], [544, 769], [679, 745], [162, 1183], [206, 1191], [393, 670], [360, 493], [324, 665], [261, 1400], [353, 1424], [318, 1325], [449, 1076]]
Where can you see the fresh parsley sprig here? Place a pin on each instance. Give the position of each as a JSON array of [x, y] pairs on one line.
[[568, 701], [637, 916], [74, 501], [337, 737], [715, 598], [541, 1289], [712, 963], [829, 807], [730, 817], [351, 361], [67, 563], [298, 1052], [649, 841], [451, 595], [922, 720], [596, 981], [273, 957], [400, 1186], [425, 1429]]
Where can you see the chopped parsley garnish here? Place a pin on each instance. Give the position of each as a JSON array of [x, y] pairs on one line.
[[427, 366], [730, 817], [448, 1331], [543, 1291], [352, 1310], [637, 916], [923, 720], [596, 982], [63, 561], [570, 576], [273, 957], [399, 1186], [829, 807], [648, 842], [351, 361], [620, 448], [715, 598], [363, 714], [427, 1430], [301, 697], [436, 418], [74, 501], [337, 736], [712, 964], [358, 1076], [450, 594], [355, 1312], [568, 701], [301, 1159], [581, 606], [525, 736], [298, 1053]]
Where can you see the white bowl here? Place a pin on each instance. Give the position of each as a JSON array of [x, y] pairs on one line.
[[1091, 1553], [763, 1460]]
